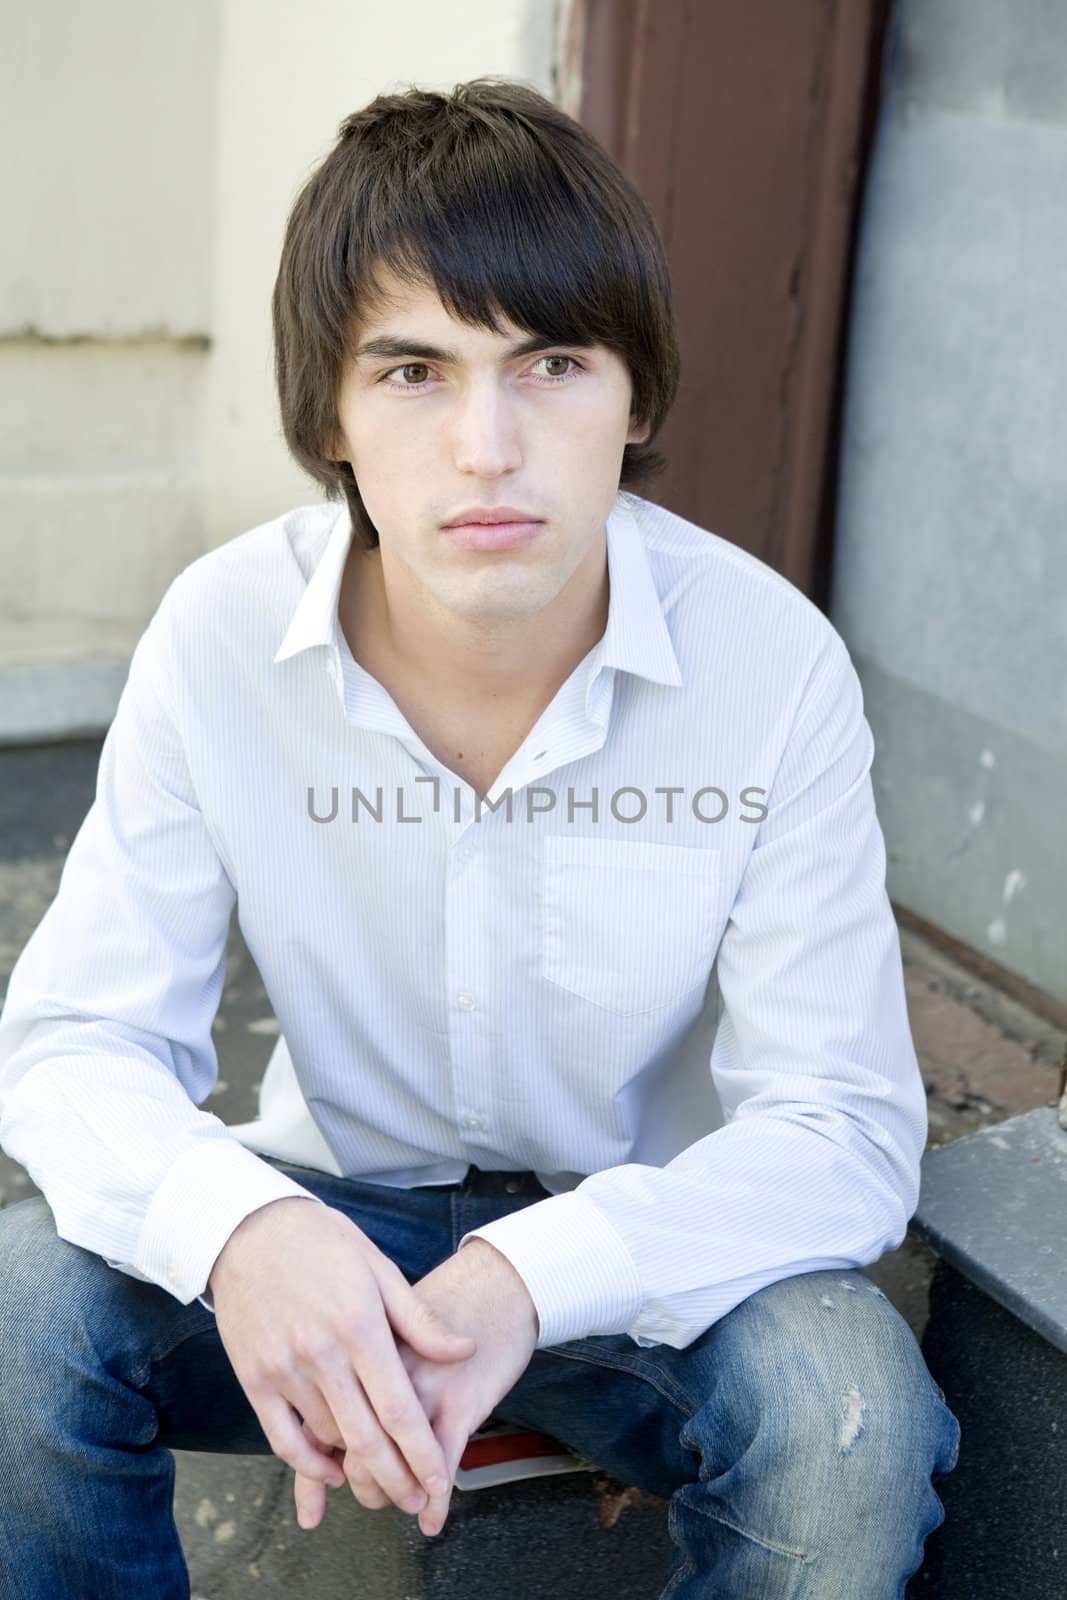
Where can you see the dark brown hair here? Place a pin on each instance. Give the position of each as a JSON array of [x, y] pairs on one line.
[[504, 203]]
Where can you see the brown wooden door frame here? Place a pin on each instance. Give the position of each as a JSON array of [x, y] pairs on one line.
[[747, 127]]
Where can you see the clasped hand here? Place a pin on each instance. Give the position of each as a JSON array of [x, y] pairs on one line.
[[357, 1375], [476, 1291]]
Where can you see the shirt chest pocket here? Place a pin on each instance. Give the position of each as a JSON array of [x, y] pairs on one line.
[[628, 926]]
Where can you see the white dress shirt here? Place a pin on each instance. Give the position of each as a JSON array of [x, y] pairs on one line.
[[669, 982]]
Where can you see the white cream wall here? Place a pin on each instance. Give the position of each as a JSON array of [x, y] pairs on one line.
[[109, 112], [159, 151], [107, 121]]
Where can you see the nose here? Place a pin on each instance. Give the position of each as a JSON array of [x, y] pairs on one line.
[[485, 433]]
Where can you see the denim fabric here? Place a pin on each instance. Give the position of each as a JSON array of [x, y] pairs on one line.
[[796, 1439]]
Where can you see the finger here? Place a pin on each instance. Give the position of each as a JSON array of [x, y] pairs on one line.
[[453, 1439], [416, 1322], [310, 1497], [318, 1423], [326, 1435], [366, 1488], [395, 1431], [309, 1493], [367, 1491], [371, 1452], [320, 1426], [286, 1438]]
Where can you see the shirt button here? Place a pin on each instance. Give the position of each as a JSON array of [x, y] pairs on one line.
[[465, 1000], [464, 852], [474, 1124]]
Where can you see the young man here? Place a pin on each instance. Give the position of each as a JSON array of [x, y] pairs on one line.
[[517, 781]]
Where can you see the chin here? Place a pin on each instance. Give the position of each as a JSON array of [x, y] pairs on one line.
[[501, 607]]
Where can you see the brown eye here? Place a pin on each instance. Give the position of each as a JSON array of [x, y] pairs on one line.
[[394, 378], [574, 366]]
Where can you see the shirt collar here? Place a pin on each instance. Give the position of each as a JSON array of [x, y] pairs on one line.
[[636, 638], [315, 618]]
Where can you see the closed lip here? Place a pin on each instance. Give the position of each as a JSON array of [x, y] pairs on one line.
[[489, 514]]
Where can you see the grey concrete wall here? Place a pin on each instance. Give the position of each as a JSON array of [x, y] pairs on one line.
[[950, 582]]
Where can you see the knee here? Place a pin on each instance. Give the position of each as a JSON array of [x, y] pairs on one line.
[[73, 1353], [822, 1374], [47, 1288], [819, 1431], [28, 1244], [28, 1240], [26, 1247]]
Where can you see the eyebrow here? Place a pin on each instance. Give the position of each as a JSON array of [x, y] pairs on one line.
[[393, 348]]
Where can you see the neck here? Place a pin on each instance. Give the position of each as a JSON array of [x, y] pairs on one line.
[[520, 661]]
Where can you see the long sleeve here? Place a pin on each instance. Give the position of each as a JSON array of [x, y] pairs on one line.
[[817, 1163], [105, 1033]]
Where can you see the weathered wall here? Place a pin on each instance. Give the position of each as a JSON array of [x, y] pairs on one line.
[[950, 581]]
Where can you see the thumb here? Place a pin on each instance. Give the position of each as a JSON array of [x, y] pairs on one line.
[[425, 1331]]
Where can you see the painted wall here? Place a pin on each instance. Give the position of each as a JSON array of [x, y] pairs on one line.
[[110, 111], [159, 151]]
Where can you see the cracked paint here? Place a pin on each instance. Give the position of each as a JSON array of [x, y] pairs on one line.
[[852, 1409]]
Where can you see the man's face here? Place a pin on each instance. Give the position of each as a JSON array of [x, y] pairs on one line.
[[429, 435]]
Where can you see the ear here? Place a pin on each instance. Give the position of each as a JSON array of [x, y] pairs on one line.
[[639, 433]]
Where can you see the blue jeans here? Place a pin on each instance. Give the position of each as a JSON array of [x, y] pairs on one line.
[[795, 1440]]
